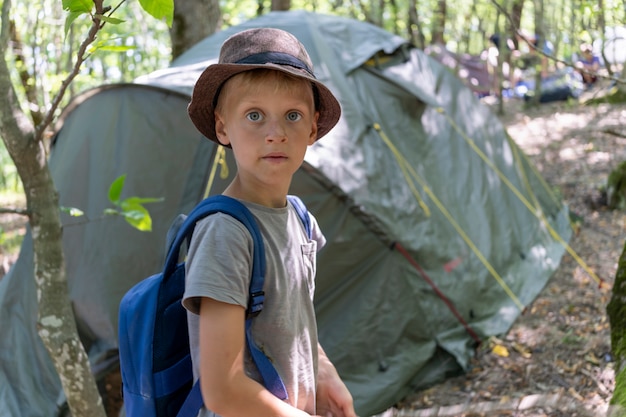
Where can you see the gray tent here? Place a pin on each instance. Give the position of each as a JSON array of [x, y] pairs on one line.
[[439, 230]]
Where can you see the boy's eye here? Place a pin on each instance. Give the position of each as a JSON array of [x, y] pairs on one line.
[[293, 116], [254, 116]]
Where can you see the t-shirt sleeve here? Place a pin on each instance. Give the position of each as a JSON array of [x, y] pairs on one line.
[[219, 262], [316, 233]]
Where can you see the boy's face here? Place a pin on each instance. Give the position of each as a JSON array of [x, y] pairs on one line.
[[269, 123]]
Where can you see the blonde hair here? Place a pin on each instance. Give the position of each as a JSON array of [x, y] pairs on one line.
[[253, 79]]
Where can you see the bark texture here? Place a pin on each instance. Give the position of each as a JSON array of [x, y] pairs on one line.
[[56, 324], [193, 21], [616, 311]]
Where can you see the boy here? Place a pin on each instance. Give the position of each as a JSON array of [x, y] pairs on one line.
[[263, 101], [588, 65]]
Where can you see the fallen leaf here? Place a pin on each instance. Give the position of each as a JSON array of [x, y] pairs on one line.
[[500, 351], [591, 358], [575, 394], [522, 350]]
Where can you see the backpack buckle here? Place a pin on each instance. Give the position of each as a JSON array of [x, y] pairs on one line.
[[255, 304]]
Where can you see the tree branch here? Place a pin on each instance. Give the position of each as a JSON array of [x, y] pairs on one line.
[[6, 26], [20, 211], [116, 7], [91, 37], [539, 50]]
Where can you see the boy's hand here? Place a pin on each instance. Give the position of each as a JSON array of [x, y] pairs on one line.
[[333, 397], [334, 400]]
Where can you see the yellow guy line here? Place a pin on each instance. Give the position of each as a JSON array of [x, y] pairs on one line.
[[519, 156], [219, 159], [534, 210], [405, 165]]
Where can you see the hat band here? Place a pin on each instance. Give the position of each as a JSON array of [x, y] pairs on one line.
[[279, 58]]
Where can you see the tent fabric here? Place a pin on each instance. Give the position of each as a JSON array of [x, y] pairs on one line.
[[473, 70], [415, 163]]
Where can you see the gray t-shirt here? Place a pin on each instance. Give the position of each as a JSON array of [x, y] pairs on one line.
[[219, 266]]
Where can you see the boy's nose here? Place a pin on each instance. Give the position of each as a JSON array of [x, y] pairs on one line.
[[275, 131]]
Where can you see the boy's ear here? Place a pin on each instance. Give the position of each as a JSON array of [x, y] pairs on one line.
[[220, 129], [313, 135]]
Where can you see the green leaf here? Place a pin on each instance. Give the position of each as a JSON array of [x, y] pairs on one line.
[[138, 217], [159, 9], [130, 206], [115, 191], [142, 200], [110, 45], [111, 20], [80, 6], [111, 48], [72, 211], [71, 16]]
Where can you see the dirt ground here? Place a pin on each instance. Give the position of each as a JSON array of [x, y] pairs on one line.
[[559, 359]]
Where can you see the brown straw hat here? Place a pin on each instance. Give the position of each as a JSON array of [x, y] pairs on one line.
[[258, 48]]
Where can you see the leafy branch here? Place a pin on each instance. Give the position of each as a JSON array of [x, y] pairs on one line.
[[131, 208], [100, 15]]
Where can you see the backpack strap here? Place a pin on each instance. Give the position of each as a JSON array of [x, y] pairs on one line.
[[303, 213], [193, 403], [234, 208]]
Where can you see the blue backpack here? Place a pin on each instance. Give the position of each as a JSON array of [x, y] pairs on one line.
[[155, 360]]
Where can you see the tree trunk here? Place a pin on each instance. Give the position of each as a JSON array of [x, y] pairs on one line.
[[193, 21], [281, 5], [439, 23], [515, 21], [393, 5], [414, 27], [539, 45], [616, 311], [29, 88], [56, 323]]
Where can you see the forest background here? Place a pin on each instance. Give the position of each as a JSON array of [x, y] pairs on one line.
[[41, 48]]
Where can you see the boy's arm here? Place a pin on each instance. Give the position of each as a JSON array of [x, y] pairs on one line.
[[333, 397], [226, 389]]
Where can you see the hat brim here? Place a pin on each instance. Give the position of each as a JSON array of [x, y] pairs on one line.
[[201, 107]]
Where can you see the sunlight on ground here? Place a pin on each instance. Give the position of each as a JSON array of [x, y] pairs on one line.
[[12, 199]]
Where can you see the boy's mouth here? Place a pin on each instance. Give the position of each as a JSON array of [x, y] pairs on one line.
[[275, 156]]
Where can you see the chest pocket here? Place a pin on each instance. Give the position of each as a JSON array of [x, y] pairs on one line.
[[309, 251]]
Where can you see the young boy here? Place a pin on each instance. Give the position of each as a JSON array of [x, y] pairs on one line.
[[588, 65], [263, 101]]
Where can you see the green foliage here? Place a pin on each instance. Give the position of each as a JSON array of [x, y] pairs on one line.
[[613, 95], [159, 9], [82, 6], [111, 20], [10, 240], [72, 211], [616, 311], [619, 393], [570, 338], [616, 187], [49, 32], [9, 180], [132, 208], [75, 9]]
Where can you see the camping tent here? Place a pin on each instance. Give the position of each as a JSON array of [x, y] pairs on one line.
[[439, 230], [473, 70]]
